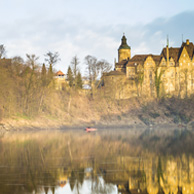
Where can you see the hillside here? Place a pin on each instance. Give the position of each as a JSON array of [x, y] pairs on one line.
[[29, 98], [79, 109]]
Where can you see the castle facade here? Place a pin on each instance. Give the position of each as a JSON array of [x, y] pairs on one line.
[[171, 73]]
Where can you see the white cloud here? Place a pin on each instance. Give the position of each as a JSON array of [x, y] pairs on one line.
[[74, 36]]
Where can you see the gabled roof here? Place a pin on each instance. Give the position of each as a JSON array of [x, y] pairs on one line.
[[173, 53], [60, 73], [157, 58], [140, 59], [189, 47]]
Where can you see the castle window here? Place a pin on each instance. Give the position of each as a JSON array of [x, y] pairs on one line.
[[171, 63]]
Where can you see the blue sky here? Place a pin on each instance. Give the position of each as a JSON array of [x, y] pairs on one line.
[[86, 27]]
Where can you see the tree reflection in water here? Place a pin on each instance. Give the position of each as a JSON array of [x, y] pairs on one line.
[[46, 162]]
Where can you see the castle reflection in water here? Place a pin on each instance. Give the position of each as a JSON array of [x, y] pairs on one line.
[[46, 162]]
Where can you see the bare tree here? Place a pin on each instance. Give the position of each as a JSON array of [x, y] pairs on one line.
[[17, 65], [2, 51], [18, 59], [31, 82], [75, 62], [92, 67], [104, 66], [31, 61], [74, 66], [52, 58]]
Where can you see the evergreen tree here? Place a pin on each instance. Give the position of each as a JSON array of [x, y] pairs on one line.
[[79, 82], [50, 77], [43, 75], [70, 76], [50, 73], [72, 180], [50, 70]]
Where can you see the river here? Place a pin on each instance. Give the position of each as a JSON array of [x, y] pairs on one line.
[[107, 161]]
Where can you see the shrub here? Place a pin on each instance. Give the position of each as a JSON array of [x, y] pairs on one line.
[[154, 115]]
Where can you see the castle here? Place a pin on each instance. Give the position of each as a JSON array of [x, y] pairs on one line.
[[169, 74]]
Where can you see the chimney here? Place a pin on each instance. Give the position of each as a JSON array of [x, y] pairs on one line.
[[187, 41]]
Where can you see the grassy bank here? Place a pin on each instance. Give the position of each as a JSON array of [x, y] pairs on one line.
[[78, 109]]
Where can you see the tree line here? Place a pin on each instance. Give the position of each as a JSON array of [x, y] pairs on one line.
[[94, 68], [27, 87]]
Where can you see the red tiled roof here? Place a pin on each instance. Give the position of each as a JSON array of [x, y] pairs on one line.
[[60, 73]]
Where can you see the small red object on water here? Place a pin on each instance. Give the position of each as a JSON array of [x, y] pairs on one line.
[[90, 129]]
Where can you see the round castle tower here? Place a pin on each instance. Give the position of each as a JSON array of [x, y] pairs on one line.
[[124, 51]]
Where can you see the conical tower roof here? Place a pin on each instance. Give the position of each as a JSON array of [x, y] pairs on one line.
[[124, 44]]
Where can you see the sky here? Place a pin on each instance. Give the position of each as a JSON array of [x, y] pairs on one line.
[[84, 189], [87, 27]]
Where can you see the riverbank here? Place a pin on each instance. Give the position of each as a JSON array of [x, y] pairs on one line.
[[130, 113], [44, 124]]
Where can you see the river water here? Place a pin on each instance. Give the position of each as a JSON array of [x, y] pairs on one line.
[[107, 161]]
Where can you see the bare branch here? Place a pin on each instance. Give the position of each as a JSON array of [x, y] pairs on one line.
[[2, 51], [52, 58]]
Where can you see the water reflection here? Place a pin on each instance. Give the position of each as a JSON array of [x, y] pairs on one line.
[[124, 161]]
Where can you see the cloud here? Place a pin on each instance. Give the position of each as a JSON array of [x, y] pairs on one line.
[[174, 27], [151, 38], [73, 35]]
